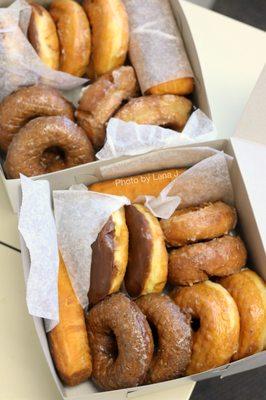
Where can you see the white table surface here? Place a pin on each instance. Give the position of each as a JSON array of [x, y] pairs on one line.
[[232, 56]]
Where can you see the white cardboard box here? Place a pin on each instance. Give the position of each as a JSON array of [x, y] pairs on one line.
[[82, 173]]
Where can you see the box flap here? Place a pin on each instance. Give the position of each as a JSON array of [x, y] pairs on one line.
[[252, 124]]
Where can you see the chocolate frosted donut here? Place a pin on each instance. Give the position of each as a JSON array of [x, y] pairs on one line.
[[28, 103], [121, 343], [26, 150], [174, 337]]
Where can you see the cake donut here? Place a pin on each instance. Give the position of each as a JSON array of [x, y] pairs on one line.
[[74, 36], [249, 292], [109, 22], [101, 99], [167, 110], [204, 222], [43, 36], [26, 150], [121, 343], [174, 337], [28, 103], [216, 339], [109, 257], [147, 256], [196, 262]]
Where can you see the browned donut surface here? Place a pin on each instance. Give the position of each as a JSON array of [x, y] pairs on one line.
[[26, 150], [121, 343], [174, 337], [28, 103], [196, 262], [204, 222]]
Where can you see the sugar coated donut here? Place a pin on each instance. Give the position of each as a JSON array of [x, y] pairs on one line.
[[121, 343], [196, 262], [28, 103], [109, 257], [249, 292], [26, 150], [193, 224], [167, 110], [147, 258], [173, 354], [216, 339]]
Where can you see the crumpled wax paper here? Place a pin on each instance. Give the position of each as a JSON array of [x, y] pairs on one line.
[[129, 138], [156, 47], [19, 63], [80, 214]]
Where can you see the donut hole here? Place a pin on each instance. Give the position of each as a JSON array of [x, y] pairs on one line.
[[155, 336], [195, 324], [53, 158], [113, 350]]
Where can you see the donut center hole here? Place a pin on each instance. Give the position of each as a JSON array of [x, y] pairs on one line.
[[195, 324], [155, 336], [113, 345], [53, 158]]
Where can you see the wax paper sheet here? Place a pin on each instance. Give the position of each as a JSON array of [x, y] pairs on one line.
[[20, 65]]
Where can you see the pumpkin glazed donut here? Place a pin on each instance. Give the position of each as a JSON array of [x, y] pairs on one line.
[[174, 337], [109, 257], [74, 36], [26, 150], [28, 103], [249, 292], [216, 339], [121, 343], [196, 262], [204, 222]]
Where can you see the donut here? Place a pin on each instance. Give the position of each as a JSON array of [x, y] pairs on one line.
[[68, 341], [27, 103], [25, 152], [181, 86], [249, 292], [109, 257], [167, 110], [196, 262], [173, 352], [109, 22], [101, 99], [204, 222], [121, 343], [215, 340], [74, 36], [147, 256], [43, 36], [149, 184]]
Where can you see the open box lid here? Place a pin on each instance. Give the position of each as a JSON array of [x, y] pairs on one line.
[[249, 144]]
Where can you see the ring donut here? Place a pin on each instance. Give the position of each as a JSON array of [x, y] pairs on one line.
[[216, 339], [121, 343], [26, 150], [28, 103], [174, 337], [196, 262], [167, 110], [204, 222], [74, 36], [249, 292], [109, 258]]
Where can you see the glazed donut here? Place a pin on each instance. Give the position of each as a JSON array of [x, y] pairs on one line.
[[25, 152], [147, 256], [109, 258], [28, 103], [196, 262], [109, 22], [174, 337], [204, 222], [149, 184], [181, 86], [216, 339], [167, 110], [249, 292], [116, 325], [43, 36], [74, 36], [100, 100]]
